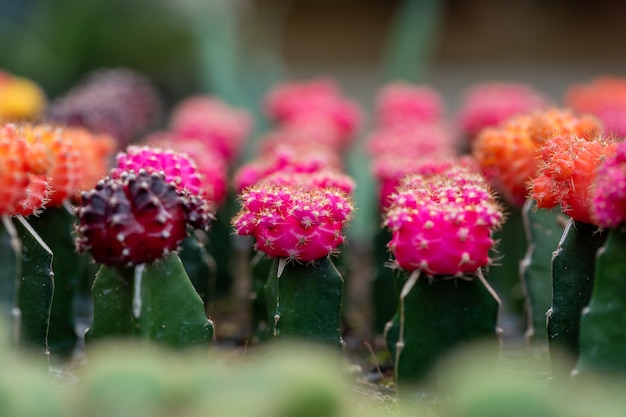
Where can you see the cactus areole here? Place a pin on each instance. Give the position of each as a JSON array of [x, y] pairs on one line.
[[136, 218]]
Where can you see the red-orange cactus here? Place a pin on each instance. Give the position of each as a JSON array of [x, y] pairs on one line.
[[14, 169], [508, 154], [567, 172], [76, 158]]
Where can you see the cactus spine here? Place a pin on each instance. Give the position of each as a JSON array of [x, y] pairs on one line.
[[305, 300], [573, 266]]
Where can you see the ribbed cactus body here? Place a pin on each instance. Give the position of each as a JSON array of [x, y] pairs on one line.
[[304, 301], [34, 289], [156, 303], [26, 285], [435, 316], [602, 336], [198, 264], [544, 229], [56, 226], [573, 267]]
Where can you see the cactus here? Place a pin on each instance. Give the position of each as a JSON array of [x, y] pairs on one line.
[[572, 282], [544, 229], [304, 301], [133, 220], [116, 101], [441, 229], [602, 338], [154, 301], [299, 228]]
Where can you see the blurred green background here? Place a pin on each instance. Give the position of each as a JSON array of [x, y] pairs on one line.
[[237, 48]]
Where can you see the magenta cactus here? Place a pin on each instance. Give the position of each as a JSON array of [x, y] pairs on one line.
[[210, 163], [320, 97], [214, 122], [287, 159], [609, 191], [293, 222], [134, 218], [399, 103], [325, 179], [442, 225], [177, 167]]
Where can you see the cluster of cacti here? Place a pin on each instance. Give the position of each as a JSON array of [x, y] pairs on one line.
[[295, 202], [509, 156], [138, 228]]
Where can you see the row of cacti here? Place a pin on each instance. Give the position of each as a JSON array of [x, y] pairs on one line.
[[440, 219]]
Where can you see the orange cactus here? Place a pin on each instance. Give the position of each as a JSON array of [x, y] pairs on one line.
[[508, 155], [567, 172], [14, 169], [76, 158]]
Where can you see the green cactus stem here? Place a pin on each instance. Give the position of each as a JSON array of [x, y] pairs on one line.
[[602, 335], [199, 265], [504, 274], [573, 266], [154, 301], [10, 263], [544, 229], [220, 248], [304, 301], [261, 265], [56, 227], [35, 288], [437, 315], [384, 292]]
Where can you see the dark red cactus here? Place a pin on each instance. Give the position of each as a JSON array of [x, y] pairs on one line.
[[136, 218]]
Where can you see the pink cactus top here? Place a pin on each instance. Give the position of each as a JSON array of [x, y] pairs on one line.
[[303, 224], [211, 120], [400, 103], [442, 225], [609, 191]]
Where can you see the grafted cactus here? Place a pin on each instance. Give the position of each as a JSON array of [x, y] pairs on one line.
[[441, 236], [299, 227], [132, 224]]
